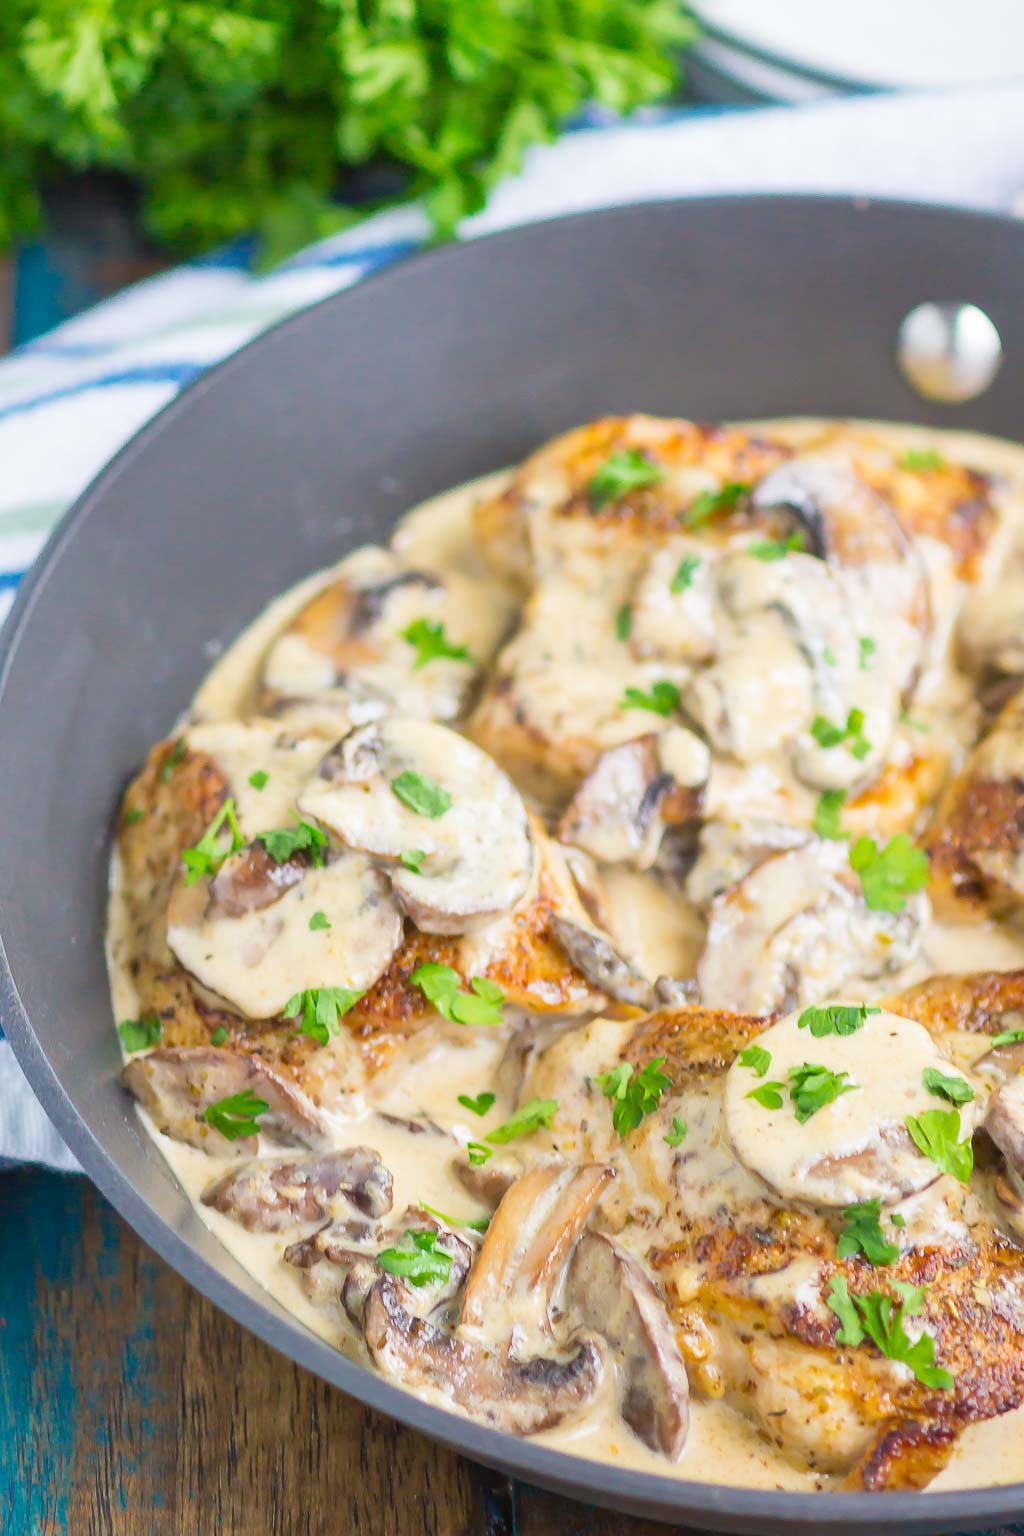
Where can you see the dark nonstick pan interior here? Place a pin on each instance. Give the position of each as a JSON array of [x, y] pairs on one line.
[[318, 436]]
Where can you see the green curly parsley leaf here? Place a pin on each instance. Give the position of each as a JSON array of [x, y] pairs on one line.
[[862, 1233], [811, 1087], [876, 1317], [208, 855], [236, 1116], [140, 1034], [662, 699], [419, 1260], [756, 1058], [428, 639], [627, 470], [936, 1132], [709, 504], [634, 1095], [421, 794], [956, 1089], [827, 815], [321, 1008], [284, 842], [835, 1019], [889, 875], [532, 1117]]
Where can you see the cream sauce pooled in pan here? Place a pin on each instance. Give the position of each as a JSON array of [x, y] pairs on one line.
[[660, 705]]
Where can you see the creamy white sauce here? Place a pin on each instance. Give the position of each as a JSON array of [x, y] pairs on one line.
[[578, 672]]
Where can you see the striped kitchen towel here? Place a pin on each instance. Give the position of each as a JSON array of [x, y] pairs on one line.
[[69, 400]]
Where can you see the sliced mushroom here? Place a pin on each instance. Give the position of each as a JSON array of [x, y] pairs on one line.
[[246, 935], [518, 1396], [339, 1262], [611, 1294], [856, 1146], [528, 1241], [474, 834], [976, 840], [620, 812], [1004, 1121], [841, 517], [593, 953], [177, 1086], [267, 1196], [345, 657], [728, 850], [796, 928]]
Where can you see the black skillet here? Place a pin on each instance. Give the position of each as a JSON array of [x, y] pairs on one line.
[[316, 437]]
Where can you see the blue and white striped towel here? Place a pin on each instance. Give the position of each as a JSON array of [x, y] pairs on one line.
[[69, 400]]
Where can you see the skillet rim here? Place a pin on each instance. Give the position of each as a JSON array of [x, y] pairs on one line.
[[646, 1493]]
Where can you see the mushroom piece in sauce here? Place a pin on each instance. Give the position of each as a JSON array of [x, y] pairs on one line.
[[177, 1086], [855, 1145], [798, 927], [635, 792], [451, 825], [602, 963], [269, 1195], [245, 935], [611, 1294], [347, 656]]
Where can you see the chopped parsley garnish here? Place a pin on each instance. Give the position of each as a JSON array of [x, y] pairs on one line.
[[532, 1116], [876, 1317], [473, 1223], [479, 1105], [219, 1035], [428, 639], [626, 470], [624, 622], [206, 857], [827, 813], [777, 549], [140, 1034], [132, 816], [236, 1116], [863, 1234], [756, 1058], [419, 1260], [768, 1095], [318, 921], [260, 779], [634, 1095], [283, 842], [662, 699], [836, 1019], [866, 649], [709, 503], [888, 875], [811, 1087], [956, 1089], [421, 795], [898, 1219], [677, 1135], [478, 1154], [828, 656], [442, 986], [922, 458], [172, 760], [920, 726], [936, 1132], [1008, 1037], [412, 860], [321, 1008], [686, 570], [828, 735]]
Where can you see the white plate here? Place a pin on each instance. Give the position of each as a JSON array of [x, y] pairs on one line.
[[880, 43]]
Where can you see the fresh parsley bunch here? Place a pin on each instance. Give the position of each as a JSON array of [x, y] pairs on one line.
[[239, 115]]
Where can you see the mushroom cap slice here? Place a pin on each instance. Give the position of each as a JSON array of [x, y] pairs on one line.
[[1004, 1121], [620, 812], [797, 928], [528, 1241], [611, 1294], [176, 1086], [518, 1396], [246, 934], [269, 1195], [594, 953], [857, 1147], [345, 656], [478, 854]]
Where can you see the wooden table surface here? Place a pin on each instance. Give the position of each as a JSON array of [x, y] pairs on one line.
[[129, 1406]]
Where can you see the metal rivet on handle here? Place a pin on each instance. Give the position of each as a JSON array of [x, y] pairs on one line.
[[949, 352]]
